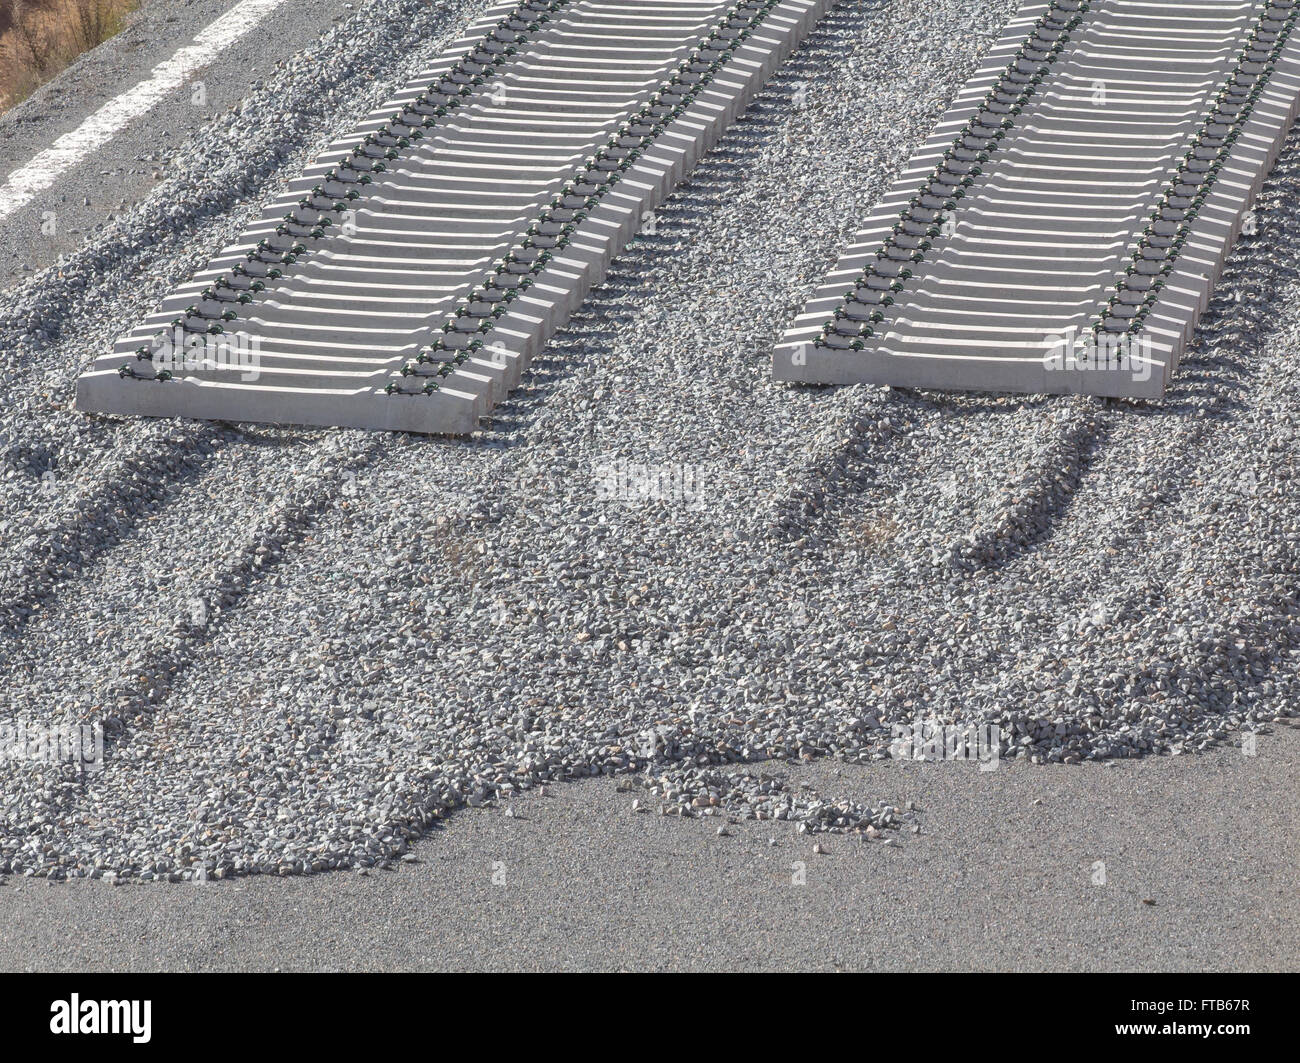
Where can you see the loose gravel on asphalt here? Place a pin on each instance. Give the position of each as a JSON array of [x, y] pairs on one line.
[[1030, 867], [305, 647]]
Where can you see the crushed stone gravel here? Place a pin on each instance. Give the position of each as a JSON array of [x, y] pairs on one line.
[[306, 646]]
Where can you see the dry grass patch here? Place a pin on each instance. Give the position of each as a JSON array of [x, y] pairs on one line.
[[38, 38]]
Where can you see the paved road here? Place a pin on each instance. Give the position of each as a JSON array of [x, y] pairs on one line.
[[118, 175], [994, 881]]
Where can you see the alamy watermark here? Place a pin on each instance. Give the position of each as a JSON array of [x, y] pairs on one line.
[[940, 741], [79, 745], [181, 351], [630, 483], [1099, 352]]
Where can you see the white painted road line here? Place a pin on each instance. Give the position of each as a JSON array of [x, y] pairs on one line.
[[70, 149]]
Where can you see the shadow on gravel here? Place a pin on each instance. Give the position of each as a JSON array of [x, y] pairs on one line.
[[101, 519], [1212, 384]]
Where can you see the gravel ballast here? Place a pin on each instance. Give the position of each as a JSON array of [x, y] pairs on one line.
[[306, 646]]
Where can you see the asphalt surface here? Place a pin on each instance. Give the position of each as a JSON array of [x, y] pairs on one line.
[[129, 166], [1003, 876]]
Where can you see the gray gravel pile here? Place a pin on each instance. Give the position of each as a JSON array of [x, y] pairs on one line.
[[307, 646]]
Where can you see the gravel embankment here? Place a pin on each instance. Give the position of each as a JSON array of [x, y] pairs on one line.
[[307, 645]]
